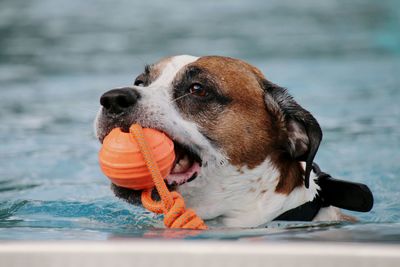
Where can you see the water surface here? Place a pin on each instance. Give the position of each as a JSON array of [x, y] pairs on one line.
[[340, 59]]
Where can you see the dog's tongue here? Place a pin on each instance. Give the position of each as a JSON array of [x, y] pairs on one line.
[[183, 170]]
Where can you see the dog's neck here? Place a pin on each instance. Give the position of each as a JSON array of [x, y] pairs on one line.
[[244, 197]]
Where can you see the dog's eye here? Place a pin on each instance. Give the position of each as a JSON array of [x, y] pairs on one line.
[[198, 90], [139, 83]]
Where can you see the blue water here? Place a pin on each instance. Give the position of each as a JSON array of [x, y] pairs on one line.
[[340, 59]]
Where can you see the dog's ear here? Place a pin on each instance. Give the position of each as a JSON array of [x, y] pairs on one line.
[[303, 131]]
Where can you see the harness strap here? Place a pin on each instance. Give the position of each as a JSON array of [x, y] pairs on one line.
[[333, 192], [305, 212]]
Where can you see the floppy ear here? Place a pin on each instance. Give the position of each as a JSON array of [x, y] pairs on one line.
[[303, 131]]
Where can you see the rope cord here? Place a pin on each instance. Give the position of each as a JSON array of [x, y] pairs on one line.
[[172, 204]]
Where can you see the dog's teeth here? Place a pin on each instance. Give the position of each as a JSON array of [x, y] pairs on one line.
[[182, 165], [184, 162], [177, 168]]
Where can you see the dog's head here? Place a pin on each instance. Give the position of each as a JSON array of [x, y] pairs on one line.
[[229, 124]]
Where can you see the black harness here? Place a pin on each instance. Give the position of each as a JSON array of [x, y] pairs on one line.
[[333, 192]]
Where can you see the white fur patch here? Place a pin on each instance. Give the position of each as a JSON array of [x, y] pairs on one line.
[[243, 198], [171, 69]]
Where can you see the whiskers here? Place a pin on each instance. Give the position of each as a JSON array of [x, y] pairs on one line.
[[176, 99]]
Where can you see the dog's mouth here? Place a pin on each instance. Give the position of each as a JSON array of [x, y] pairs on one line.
[[187, 164], [186, 167]]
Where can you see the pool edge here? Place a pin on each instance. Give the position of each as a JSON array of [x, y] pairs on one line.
[[195, 253]]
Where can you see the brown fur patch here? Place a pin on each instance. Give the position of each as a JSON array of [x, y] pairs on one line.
[[248, 129], [291, 174], [245, 120]]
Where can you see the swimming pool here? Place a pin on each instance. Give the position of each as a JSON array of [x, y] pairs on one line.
[[57, 58]]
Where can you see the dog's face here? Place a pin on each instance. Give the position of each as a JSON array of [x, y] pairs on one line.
[[235, 133]]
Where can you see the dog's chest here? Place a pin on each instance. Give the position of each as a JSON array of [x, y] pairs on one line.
[[242, 197]]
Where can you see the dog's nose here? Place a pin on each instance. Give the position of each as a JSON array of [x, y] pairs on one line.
[[119, 100]]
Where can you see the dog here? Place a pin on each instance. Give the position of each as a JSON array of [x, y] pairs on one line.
[[244, 147]]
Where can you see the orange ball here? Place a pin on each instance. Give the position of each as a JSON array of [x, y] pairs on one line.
[[122, 162]]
